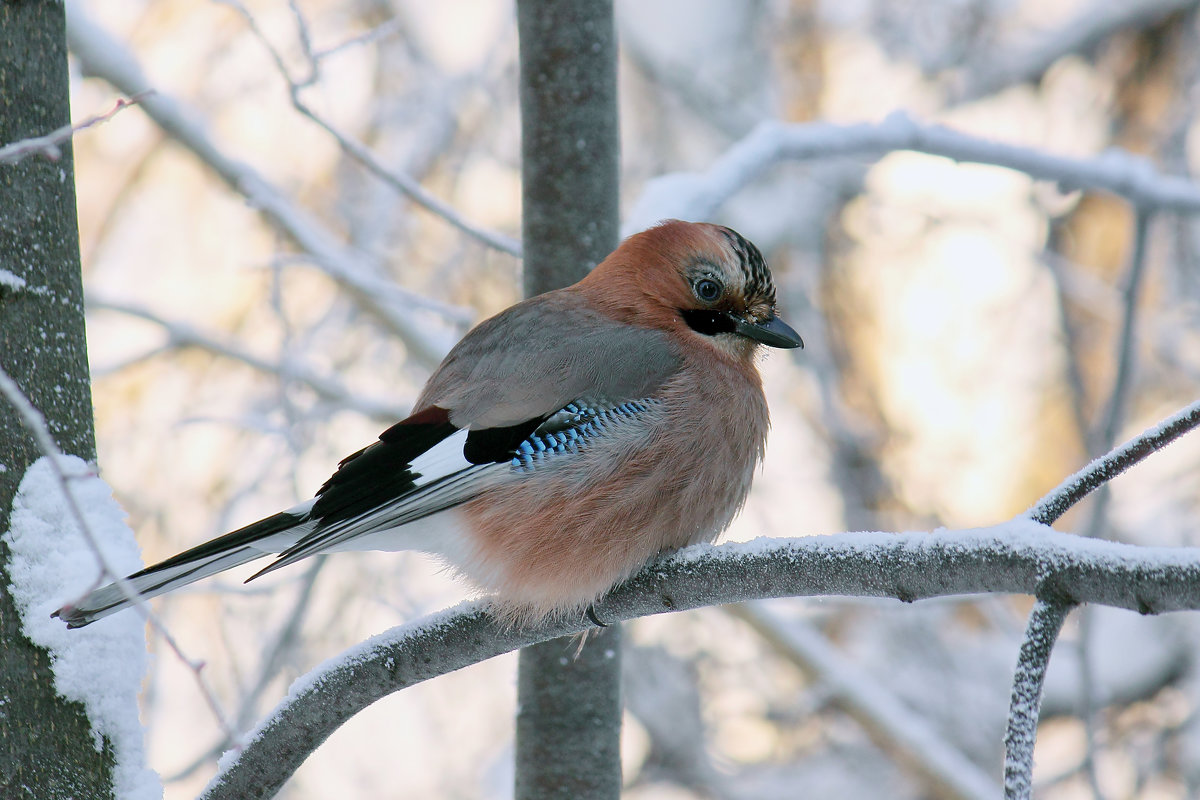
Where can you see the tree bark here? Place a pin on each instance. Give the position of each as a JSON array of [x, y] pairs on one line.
[[569, 723], [570, 148], [46, 746]]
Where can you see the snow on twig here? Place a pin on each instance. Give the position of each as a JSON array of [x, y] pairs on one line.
[[1103, 469], [1045, 621], [49, 144]]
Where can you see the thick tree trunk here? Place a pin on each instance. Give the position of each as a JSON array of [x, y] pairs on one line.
[[569, 723], [46, 748]]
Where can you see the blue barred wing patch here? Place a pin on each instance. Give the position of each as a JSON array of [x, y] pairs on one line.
[[572, 429]]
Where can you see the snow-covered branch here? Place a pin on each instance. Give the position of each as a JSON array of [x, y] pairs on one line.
[[1045, 621], [1020, 557], [699, 195], [1113, 463], [1091, 25], [1023, 556]]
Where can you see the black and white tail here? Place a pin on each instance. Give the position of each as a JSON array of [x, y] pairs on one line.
[[262, 538]]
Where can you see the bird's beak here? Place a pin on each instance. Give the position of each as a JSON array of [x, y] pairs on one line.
[[772, 331]]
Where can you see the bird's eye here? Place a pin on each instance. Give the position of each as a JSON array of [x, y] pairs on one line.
[[707, 289]]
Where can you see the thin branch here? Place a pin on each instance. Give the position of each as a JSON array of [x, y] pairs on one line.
[[1093, 24], [407, 186], [288, 370], [1057, 267], [398, 181], [699, 195], [1087, 707], [1119, 396], [1103, 469], [1018, 557], [35, 424], [1045, 621], [876, 709], [1105, 435], [391, 27], [48, 145], [269, 669], [304, 35], [103, 56]]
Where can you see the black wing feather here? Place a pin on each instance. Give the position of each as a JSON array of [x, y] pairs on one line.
[[380, 472], [494, 445]]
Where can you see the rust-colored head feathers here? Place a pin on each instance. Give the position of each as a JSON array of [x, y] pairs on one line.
[[695, 278]]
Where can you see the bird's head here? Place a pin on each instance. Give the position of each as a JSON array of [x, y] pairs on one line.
[[695, 279]]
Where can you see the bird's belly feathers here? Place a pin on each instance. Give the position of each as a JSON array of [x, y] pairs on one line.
[[566, 526], [442, 535]]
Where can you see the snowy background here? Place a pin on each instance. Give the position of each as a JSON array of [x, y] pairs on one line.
[[262, 304]]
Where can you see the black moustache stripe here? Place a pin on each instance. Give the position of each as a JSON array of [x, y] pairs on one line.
[[709, 323]]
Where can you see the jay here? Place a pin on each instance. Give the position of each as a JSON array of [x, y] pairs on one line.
[[561, 444]]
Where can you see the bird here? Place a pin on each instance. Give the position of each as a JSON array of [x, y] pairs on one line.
[[561, 445]]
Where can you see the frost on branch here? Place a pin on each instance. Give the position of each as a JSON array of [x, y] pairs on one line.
[[1045, 621]]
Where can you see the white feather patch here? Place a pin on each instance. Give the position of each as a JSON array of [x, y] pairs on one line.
[[444, 458]]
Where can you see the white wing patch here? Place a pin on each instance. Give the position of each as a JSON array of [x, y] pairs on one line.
[[442, 460]]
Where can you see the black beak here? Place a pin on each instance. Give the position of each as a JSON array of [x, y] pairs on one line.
[[773, 332]]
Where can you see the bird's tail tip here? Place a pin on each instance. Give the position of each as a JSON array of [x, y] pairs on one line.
[[74, 617]]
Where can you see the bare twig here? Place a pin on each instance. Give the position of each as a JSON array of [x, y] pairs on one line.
[[392, 27], [359, 152], [1057, 267], [181, 334], [35, 423], [48, 145], [105, 57], [1119, 396], [1087, 694], [1045, 621]]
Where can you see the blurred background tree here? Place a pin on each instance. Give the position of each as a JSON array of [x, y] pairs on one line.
[[321, 197]]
